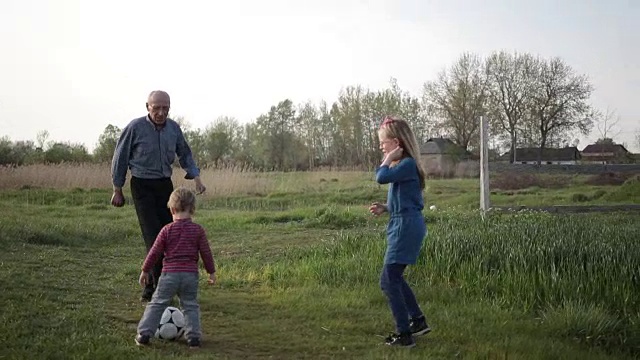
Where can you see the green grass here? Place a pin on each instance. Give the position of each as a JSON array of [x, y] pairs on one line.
[[298, 278], [445, 194]]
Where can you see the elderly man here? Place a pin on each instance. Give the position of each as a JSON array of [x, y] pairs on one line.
[[148, 146]]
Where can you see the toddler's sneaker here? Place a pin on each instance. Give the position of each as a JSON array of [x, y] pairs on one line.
[[193, 343], [142, 340], [419, 326], [402, 340]]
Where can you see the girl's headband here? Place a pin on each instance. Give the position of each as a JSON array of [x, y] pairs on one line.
[[387, 120]]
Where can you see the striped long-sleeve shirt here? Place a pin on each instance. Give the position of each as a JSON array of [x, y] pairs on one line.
[[182, 242]]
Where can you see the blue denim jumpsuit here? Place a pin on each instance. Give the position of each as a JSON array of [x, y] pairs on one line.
[[406, 229], [405, 235]]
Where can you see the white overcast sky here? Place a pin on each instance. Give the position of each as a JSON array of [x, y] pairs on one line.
[[72, 67]]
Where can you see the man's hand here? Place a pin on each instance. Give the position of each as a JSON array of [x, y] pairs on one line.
[[144, 279], [117, 199], [199, 186]]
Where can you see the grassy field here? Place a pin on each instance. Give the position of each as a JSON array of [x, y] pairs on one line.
[[298, 259]]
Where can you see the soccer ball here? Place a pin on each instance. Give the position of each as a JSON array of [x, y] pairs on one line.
[[171, 325]]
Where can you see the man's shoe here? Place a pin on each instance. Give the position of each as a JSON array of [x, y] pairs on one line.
[[401, 340], [419, 326], [142, 340], [193, 343]]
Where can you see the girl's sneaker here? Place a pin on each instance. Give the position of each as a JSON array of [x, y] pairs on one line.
[[419, 326], [402, 340]]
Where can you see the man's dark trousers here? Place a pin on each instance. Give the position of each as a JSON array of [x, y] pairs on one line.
[[150, 197]]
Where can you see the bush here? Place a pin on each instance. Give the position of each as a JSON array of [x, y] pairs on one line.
[[628, 192], [448, 170], [579, 197], [598, 194], [467, 169]]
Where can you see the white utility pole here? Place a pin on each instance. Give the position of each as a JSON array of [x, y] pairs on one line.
[[484, 164]]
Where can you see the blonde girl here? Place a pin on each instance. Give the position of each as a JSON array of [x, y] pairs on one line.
[[402, 170]]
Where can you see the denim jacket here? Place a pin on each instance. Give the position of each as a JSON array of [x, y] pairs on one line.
[[149, 152]]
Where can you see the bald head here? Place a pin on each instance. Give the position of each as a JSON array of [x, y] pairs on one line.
[[158, 95], [158, 105]]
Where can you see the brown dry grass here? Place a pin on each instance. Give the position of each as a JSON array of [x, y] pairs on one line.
[[219, 182], [609, 178], [518, 181], [63, 176]]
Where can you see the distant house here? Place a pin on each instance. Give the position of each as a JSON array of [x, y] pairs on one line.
[[441, 156], [606, 154], [563, 156]]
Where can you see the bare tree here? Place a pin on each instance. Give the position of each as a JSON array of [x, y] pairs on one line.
[[41, 139], [559, 103], [607, 124], [510, 88], [310, 130], [350, 137], [184, 124], [457, 98]]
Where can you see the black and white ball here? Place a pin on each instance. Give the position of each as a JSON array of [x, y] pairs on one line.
[[171, 325]]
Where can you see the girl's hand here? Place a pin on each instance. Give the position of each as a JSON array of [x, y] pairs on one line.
[[393, 155], [377, 208]]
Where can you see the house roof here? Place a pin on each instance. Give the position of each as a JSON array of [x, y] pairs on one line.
[[439, 146], [548, 154], [604, 148]]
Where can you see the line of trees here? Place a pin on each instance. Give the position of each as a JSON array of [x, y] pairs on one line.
[[530, 101], [41, 151]]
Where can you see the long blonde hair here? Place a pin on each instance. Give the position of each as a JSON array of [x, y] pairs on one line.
[[399, 129]]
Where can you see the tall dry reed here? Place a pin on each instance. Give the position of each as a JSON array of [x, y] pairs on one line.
[[219, 181], [62, 176]]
